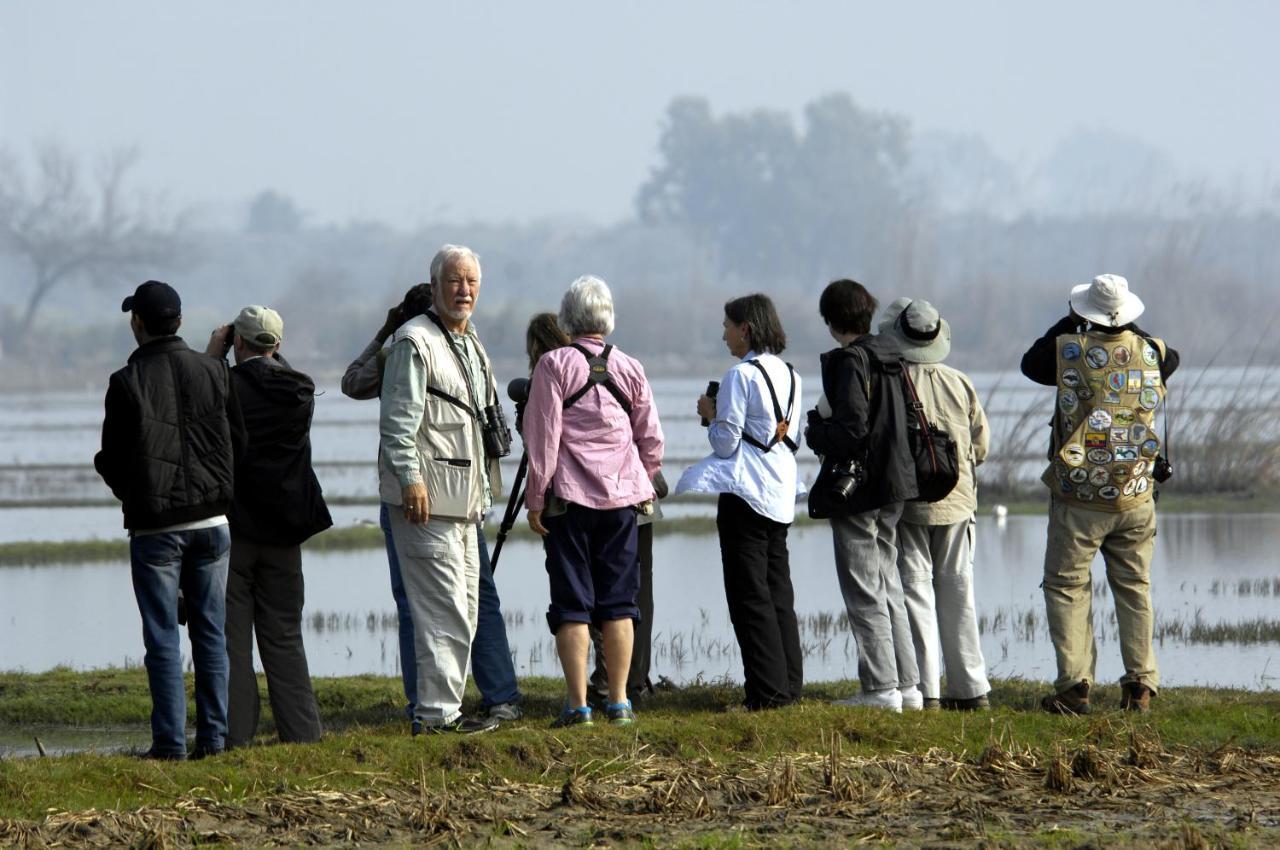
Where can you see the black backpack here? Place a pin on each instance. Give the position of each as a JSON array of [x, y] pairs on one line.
[[932, 449]]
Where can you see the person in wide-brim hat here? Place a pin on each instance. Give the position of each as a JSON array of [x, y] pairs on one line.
[[922, 334], [1106, 301]]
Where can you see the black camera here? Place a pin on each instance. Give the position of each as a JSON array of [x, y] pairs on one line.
[[1161, 470], [713, 389], [518, 390], [497, 436], [846, 477]]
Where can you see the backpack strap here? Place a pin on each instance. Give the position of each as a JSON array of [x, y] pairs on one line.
[[598, 374], [783, 425]]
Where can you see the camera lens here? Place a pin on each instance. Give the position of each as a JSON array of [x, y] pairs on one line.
[[518, 390]]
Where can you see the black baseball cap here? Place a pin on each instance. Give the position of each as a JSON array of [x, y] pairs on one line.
[[153, 300]]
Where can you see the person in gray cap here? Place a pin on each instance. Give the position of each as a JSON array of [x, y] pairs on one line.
[[935, 539], [170, 440], [278, 504], [1105, 460]]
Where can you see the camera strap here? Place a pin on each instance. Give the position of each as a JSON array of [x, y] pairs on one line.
[[783, 422], [464, 368], [598, 375]]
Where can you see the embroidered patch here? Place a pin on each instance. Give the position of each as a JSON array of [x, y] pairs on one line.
[[1070, 378], [1099, 476], [1126, 452], [1140, 467], [1151, 379], [1078, 475], [1084, 494], [1097, 357], [1095, 440], [1073, 453], [1149, 398], [1068, 401], [1123, 417], [1121, 356], [1143, 485], [1119, 435], [1130, 486], [1111, 492], [1134, 383], [1099, 420], [1071, 351], [1150, 448], [1084, 393], [1099, 456], [1139, 432], [1149, 355], [1112, 397], [1115, 380], [1119, 473]]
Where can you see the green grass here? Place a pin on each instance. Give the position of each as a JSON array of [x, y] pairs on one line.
[[689, 732]]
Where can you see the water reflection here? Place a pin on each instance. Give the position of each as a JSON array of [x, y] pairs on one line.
[[1210, 574]]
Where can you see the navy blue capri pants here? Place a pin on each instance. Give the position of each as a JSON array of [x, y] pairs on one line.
[[593, 561]]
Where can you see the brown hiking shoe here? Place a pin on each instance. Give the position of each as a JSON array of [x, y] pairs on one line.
[[980, 703], [1074, 700], [1135, 697]]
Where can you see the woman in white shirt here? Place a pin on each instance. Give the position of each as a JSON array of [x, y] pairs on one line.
[[753, 468]]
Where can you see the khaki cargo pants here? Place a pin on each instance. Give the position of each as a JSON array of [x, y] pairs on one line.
[[1127, 540]]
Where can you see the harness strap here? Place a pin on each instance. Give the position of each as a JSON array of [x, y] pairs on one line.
[[783, 425], [598, 374], [454, 400]]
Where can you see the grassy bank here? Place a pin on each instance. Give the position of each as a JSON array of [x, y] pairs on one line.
[[36, 553], [690, 773]]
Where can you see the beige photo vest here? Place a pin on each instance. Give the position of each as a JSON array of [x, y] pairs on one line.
[[1109, 387]]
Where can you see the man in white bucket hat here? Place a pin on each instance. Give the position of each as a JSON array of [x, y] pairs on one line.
[[1105, 460]]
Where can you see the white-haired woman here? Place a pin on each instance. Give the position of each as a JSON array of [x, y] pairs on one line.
[[594, 442]]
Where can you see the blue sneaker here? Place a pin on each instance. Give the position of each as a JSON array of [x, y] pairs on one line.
[[620, 713], [574, 717]]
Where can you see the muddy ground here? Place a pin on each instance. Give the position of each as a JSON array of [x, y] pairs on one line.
[[1140, 796]]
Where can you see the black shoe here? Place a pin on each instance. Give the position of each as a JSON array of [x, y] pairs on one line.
[[156, 755], [203, 753], [979, 703], [464, 726]]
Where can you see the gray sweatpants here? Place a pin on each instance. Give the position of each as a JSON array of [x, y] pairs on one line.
[[936, 564], [440, 566], [867, 567]]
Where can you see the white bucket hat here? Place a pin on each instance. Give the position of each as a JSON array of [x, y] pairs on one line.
[[1106, 301], [922, 335]]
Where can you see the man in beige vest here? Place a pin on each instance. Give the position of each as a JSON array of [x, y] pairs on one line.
[[438, 478], [1105, 462]]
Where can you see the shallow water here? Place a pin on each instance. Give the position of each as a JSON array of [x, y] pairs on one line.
[[84, 616]]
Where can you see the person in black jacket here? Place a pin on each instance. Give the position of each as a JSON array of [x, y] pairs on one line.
[[170, 438], [278, 504], [864, 420]]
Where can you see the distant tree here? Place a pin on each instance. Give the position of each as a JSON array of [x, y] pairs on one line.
[[65, 231], [271, 212], [775, 201]]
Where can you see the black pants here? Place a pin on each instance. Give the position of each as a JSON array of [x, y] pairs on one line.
[[264, 594], [757, 584], [641, 653]]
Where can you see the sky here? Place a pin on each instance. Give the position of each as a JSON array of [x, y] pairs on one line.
[[419, 112]]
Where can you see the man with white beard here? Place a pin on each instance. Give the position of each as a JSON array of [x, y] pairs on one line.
[[440, 473]]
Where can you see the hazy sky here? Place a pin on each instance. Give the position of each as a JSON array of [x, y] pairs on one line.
[[412, 112]]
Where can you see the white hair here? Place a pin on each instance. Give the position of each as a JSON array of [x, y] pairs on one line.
[[449, 252], [587, 307]]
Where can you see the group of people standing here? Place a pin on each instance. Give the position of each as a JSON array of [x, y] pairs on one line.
[[209, 462]]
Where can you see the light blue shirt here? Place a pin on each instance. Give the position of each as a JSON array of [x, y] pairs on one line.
[[766, 481]]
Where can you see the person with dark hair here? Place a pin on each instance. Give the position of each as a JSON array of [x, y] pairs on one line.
[[543, 335], [1105, 462], [862, 419], [753, 469], [170, 441], [491, 663], [594, 442], [278, 505]]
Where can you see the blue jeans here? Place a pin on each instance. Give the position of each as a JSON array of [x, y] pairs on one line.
[[491, 663], [194, 562]]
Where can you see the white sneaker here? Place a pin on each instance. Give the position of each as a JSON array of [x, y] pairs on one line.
[[912, 698], [890, 699]]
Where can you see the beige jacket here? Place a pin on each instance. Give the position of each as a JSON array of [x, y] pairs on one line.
[[951, 403]]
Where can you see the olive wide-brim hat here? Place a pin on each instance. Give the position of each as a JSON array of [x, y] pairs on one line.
[[1106, 301], [922, 335]]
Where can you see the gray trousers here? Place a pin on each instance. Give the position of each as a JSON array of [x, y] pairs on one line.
[[265, 595], [440, 566], [936, 565], [867, 567]]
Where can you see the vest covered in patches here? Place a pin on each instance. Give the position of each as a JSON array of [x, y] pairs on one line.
[[1105, 442]]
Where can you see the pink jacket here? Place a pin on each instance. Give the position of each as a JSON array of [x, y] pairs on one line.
[[591, 454]]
